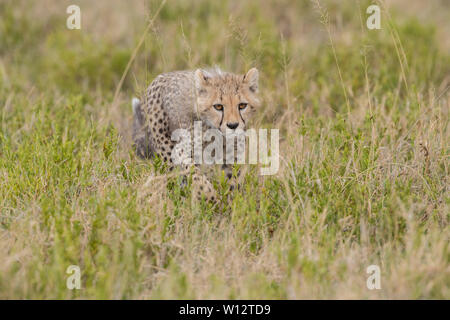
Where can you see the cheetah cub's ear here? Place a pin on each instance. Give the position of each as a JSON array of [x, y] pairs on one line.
[[251, 79], [201, 81]]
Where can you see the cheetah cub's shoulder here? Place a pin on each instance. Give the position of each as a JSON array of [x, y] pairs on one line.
[[175, 100]]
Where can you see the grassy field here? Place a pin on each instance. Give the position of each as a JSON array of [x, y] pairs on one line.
[[364, 177]]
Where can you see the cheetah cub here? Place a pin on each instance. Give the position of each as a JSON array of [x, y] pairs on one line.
[[175, 100]]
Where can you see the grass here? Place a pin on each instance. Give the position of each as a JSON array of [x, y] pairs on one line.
[[364, 152]]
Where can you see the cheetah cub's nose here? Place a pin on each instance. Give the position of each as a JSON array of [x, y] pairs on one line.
[[232, 125]]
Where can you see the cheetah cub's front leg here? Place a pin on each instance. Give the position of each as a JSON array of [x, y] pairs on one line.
[[151, 135], [202, 188]]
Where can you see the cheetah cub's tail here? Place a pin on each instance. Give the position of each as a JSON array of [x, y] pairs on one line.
[[136, 104], [140, 140], [137, 113]]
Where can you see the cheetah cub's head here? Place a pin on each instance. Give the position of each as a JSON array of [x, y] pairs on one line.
[[226, 101]]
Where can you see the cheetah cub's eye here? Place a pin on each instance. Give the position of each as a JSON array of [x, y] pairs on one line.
[[218, 106], [242, 106]]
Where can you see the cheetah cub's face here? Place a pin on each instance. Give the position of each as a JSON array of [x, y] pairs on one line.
[[226, 101]]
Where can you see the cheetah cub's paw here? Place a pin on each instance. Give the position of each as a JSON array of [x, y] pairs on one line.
[[202, 188]]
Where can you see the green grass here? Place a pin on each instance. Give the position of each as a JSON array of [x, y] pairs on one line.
[[356, 187]]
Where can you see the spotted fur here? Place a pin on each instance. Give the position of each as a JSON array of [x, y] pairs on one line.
[[175, 100]]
